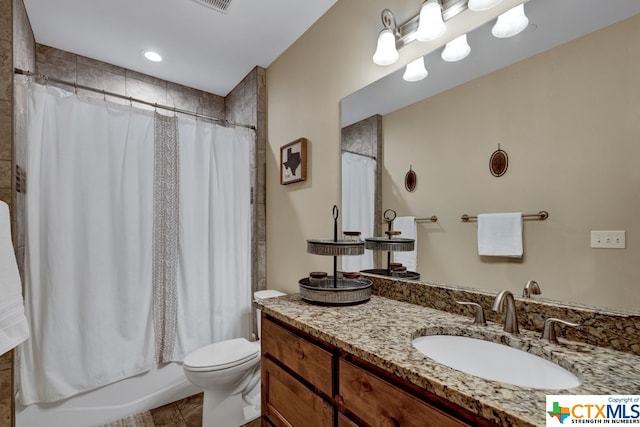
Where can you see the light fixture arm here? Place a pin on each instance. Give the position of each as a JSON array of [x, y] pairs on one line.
[[389, 21]]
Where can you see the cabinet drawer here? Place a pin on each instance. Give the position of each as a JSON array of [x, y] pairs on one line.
[[287, 402], [379, 403], [296, 353]]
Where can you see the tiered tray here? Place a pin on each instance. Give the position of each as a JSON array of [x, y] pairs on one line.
[[391, 243], [335, 290]]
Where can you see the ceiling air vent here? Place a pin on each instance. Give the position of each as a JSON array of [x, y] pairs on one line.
[[219, 5]]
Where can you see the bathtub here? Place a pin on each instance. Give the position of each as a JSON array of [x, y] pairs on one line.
[[130, 396]]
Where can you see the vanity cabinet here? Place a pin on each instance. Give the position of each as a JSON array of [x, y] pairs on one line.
[[307, 382]]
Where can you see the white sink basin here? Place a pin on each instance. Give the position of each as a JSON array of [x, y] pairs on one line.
[[496, 362]]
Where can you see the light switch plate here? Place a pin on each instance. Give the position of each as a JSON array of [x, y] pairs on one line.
[[609, 239]]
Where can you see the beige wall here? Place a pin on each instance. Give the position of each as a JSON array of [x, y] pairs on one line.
[[569, 119], [572, 152], [304, 88]]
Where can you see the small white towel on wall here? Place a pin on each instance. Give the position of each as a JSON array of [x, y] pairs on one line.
[[13, 323], [407, 226], [500, 234]]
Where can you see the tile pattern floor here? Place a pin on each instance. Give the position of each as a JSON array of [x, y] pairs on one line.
[[183, 413]]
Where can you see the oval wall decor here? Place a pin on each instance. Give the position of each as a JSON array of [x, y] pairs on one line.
[[499, 162], [410, 181]]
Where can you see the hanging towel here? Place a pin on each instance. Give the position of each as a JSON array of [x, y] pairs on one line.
[[500, 234], [407, 226], [13, 323]]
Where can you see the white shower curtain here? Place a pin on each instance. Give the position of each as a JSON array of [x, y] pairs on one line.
[[214, 245], [89, 228], [358, 204], [88, 244]]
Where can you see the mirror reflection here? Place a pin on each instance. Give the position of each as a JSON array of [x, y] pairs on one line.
[[561, 99]]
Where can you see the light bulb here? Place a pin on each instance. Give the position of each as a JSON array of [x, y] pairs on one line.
[[152, 56], [430, 24], [415, 70], [386, 52], [456, 50], [510, 23], [480, 5]]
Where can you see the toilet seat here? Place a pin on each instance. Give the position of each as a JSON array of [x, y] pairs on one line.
[[222, 355]]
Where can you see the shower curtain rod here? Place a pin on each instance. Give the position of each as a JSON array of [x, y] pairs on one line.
[[106, 93], [359, 154]]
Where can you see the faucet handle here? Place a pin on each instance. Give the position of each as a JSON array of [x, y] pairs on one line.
[[549, 332], [531, 288], [479, 312]]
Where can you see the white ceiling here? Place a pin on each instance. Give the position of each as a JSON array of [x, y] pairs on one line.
[[202, 48], [552, 22]]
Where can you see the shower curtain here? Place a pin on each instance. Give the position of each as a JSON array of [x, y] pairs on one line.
[[89, 282], [358, 204], [213, 250]]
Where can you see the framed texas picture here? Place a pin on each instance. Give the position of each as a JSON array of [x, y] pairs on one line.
[[293, 161]]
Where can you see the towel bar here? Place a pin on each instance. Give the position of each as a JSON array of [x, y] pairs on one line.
[[430, 219], [542, 215]]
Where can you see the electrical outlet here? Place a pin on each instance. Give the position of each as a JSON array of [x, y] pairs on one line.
[[609, 239]]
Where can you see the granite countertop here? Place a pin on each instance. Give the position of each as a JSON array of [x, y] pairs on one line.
[[381, 330]]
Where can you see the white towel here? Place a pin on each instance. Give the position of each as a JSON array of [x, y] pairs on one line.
[[500, 234], [407, 226], [13, 323]]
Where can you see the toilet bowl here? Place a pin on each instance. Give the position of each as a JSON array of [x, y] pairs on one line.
[[229, 374]]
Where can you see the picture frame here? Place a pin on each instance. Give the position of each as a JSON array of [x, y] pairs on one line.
[[293, 162]]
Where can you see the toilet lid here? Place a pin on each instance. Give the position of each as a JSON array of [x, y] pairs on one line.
[[222, 354], [266, 294]]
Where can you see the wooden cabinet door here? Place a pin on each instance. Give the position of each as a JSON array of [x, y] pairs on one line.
[[287, 402], [379, 403]]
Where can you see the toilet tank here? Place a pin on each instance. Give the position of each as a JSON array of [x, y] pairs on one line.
[[260, 295]]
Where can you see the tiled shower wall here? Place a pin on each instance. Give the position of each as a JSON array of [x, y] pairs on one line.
[[6, 166], [70, 67], [16, 50], [245, 104]]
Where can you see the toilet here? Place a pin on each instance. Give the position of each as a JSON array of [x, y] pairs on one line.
[[229, 374]]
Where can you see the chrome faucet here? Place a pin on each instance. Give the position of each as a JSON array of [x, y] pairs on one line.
[[549, 332], [479, 318], [510, 317], [531, 288]]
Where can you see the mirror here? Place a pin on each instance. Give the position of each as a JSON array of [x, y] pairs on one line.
[[361, 147], [564, 106]]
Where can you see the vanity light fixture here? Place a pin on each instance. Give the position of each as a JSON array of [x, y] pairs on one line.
[[480, 5], [510, 23], [415, 70], [456, 50], [386, 52], [430, 24], [152, 56]]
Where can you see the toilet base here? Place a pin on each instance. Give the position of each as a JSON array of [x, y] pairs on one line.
[[231, 412]]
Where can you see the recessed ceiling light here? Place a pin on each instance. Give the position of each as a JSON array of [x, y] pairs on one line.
[[152, 56]]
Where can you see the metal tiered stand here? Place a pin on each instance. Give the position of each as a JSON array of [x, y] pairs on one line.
[[334, 290], [391, 243]]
